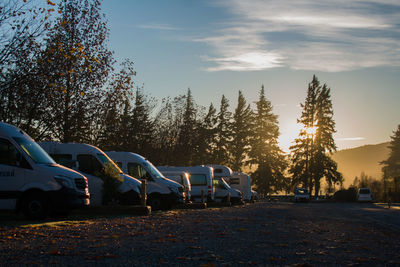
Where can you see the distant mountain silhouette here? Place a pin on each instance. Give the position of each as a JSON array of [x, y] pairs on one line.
[[351, 162]]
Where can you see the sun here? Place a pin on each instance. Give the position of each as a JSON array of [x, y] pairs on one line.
[[289, 132]]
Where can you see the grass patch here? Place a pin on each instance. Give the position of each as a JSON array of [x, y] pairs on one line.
[[56, 224]]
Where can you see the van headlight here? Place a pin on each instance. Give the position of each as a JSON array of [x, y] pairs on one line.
[[64, 181]]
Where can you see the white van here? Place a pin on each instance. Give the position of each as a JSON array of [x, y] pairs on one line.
[[222, 189], [242, 182], [221, 171], [31, 182], [182, 178], [201, 178], [90, 161], [222, 174], [364, 195], [162, 193]]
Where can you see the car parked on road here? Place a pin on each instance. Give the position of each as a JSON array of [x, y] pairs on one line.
[[364, 194], [301, 195], [32, 182], [162, 193], [90, 161], [201, 180]]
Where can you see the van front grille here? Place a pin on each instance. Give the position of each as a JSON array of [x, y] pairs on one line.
[[80, 183]]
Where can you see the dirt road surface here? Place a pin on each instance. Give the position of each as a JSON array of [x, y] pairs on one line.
[[259, 234]]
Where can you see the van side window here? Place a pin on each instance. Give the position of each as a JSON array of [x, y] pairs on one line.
[[198, 179], [9, 155], [89, 164], [64, 159], [137, 171]]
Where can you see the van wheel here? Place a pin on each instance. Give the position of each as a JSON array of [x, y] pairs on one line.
[[34, 206], [155, 202]]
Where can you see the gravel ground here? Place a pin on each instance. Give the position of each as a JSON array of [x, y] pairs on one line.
[[259, 234]]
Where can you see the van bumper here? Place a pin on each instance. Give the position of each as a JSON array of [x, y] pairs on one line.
[[67, 198]]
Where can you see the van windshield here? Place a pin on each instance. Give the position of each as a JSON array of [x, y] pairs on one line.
[[106, 160], [34, 151], [154, 172], [225, 183]]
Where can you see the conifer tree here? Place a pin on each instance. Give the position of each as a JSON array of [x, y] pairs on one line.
[[141, 125], [241, 129], [186, 147], [223, 133], [391, 166], [265, 152], [311, 159], [207, 137]]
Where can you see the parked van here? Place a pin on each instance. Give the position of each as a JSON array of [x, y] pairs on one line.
[[222, 189], [162, 193], [221, 171], [30, 180], [364, 195], [242, 182], [222, 175], [201, 178], [182, 178], [90, 161]]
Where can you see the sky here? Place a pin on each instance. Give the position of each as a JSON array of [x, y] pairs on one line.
[[218, 47]]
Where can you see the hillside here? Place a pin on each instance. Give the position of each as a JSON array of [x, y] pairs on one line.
[[351, 162]]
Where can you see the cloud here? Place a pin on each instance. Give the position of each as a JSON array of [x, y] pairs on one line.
[[156, 26], [247, 61], [328, 36], [350, 139]]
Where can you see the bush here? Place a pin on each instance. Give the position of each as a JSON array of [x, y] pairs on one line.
[[346, 195], [111, 182]]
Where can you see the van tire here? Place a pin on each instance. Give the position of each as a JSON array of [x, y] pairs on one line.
[[34, 206], [155, 202]]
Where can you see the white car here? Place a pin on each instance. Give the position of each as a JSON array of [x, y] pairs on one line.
[[301, 195], [364, 195]]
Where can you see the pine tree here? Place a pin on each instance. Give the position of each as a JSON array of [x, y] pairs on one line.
[[241, 129], [141, 125], [186, 147], [311, 159], [265, 152], [391, 166], [207, 137], [223, 133]]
